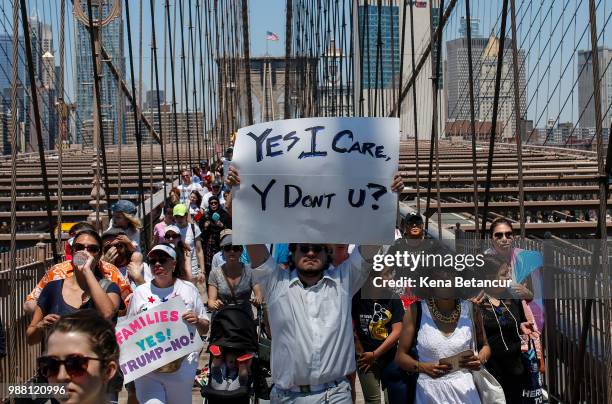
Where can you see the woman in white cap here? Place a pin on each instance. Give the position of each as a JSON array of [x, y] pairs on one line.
[[173, 382]]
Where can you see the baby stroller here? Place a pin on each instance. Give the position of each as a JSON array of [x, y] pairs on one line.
[[234, 330]]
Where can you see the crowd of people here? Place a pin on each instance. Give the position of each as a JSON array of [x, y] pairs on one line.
[[328, 326]]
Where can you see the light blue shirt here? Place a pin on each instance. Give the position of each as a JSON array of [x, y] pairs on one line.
[[312, 327]]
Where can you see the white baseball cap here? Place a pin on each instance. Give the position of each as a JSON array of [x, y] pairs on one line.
[[173, 228], [165, 248]]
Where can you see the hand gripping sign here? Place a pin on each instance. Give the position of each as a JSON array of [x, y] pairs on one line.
[[320, 180], [154, 338]]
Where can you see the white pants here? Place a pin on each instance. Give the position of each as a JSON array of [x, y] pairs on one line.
[[167, 388]]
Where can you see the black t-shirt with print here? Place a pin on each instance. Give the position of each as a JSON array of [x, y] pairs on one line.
[[373, 319]]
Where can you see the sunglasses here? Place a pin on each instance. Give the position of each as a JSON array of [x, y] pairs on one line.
[[306, 248], [501, 235], [92, 248], [155, 260], [172, 236], [234, 248], [76, 365]]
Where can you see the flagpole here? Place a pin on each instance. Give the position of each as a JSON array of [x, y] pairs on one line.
[[267, 41]]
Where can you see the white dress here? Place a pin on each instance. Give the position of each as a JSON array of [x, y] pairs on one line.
[[455, 387]]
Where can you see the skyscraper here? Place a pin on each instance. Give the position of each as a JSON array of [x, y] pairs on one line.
[[111, 37], [380, 66], [484, 57], [6, 80], [6, 61], [586, 103], [474, 27], [41, 38], [425, 15]]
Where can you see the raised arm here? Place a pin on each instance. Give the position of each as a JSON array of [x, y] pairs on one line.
[[258, 253], [368, 251]]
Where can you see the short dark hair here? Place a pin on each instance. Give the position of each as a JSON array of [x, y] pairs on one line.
[[497, 222], [100, 331], [89, 232], [77, 227], [293, 249]]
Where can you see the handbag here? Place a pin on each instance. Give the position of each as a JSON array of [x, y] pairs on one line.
[[531, 334], [532, 383], [489, 389]]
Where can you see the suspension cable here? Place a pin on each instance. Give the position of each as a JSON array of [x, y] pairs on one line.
[[37, 122]]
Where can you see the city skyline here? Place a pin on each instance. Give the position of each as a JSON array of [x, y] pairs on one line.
[[568, 63]]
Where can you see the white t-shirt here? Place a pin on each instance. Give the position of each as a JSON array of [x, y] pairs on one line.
[[186, 191], [148, 295], [208, 195], [146, 272], [188, 238]]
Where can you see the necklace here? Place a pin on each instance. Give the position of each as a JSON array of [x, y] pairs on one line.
[[443, 318]]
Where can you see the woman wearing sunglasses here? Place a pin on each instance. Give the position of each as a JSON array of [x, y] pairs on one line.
[[87, 289], [526, 267], [232, 282], [214, 220], [172, 383], [82, 352]]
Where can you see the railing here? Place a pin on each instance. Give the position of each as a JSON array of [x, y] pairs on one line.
[[572, 269], [20, 363], [25, 256], [30, 265]]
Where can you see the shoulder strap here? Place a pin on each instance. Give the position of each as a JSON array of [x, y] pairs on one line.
[[104, 284], [419, 316], [193, 231], [472, 309]]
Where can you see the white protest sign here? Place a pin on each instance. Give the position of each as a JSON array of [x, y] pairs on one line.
[[318, 180], [154, 338]]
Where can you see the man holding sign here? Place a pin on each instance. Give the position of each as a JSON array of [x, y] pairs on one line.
[[310, 305]]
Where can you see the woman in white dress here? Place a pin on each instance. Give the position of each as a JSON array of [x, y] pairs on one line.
[[443, 355]]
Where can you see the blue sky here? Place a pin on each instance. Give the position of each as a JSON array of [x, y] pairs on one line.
[[269, 15]]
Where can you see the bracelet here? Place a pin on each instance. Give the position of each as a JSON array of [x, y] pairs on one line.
[[418, 367]]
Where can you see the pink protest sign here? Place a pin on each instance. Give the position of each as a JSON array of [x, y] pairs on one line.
[[154, 338]]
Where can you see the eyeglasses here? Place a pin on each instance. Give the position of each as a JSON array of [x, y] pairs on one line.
[[501, 235], [92, 248], [234, 248], [413, 224], [155, 260], [172, 236], [306, 248], [214, 203], [76, 365]]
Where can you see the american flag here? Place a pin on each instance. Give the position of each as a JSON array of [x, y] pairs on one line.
[[420, 4], [271, 36]]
